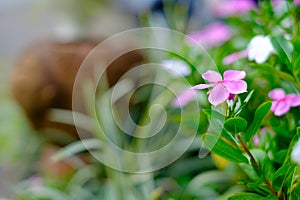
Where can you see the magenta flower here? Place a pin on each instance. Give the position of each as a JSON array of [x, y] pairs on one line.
[[226, 8], [281, 102], [296, 2], [256, 140], [221, 89], [211, 36], [184, 98]]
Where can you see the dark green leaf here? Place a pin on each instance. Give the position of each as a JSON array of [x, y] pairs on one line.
[[259, 115], [221, 148], [235, 125], [281, 174], [248, 196], [280, 156]]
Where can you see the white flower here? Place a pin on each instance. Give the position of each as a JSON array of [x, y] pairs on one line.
[[176, 68], [260, 48], [296, 152]]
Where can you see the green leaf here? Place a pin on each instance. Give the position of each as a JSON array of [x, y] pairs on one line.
[[214, 114], [235, 125], [248, 196], [259, 115], [281, 175], [284, 48], [279, 157], [221, 148], [77, 147]]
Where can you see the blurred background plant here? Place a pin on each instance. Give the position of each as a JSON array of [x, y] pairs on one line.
[[223, 28]]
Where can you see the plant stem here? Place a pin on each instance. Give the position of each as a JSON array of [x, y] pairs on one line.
[[245, 148], [254, 162]]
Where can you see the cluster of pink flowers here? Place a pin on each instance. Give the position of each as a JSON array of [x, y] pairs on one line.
[[232, 84]]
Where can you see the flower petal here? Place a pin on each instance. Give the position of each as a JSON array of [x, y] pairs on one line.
[[277, 94], [184, 98], [176, 68], [235, 57], [218, 95], [202, 86], [274, 105], [234, 75], [260, 48], [261, 58], [236, 87], [295, 155], [281, 108], [294, 99], [212, 76]]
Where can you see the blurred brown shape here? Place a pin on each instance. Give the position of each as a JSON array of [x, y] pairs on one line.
[[44, 77]]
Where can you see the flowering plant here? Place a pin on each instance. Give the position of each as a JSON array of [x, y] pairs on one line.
[[247, 130]]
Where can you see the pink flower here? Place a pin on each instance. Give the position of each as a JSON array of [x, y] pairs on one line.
[[211, 36], [226, 8], [296, 2], [235, 56], [281, 102], [221, 89], [256, 140], [184, 98]]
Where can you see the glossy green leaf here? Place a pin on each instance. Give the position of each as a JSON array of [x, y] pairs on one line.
[[259, 115], [235, 125], [214, 114], [284, 48], [221, 148]]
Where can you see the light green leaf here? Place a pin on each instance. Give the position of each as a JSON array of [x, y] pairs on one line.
[[220, 147], [214, 114], [77, 147], [259, 115]]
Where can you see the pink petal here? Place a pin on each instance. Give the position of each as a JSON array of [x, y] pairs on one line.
[[235, 56], [218, 95], [212, 35], [202, 86], [274, 105], [281, 108], [212, 76], [294, 99], [256, 140], [296, 2], [277, 94], [184, 98], [236, 87], [233, 7], [234, 75]]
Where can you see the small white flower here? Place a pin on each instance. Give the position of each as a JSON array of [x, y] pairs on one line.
[[296, 152], [176, 68], [260, 48]]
